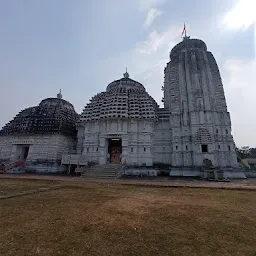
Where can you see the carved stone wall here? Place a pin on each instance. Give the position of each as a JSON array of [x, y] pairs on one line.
[[42, 148], [194, 94], [136, 135], [162, 144]]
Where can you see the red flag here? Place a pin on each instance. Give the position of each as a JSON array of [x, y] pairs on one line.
[[184, 30]]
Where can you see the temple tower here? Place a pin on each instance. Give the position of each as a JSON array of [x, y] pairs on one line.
[[199, 121]]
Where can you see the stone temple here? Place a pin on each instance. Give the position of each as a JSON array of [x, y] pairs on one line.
[[124, 125], [40, 134]]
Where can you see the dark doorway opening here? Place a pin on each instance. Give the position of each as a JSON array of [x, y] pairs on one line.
[[25, 153], [204, 148], [115, 150]]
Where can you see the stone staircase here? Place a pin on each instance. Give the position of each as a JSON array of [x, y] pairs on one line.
[[12, 167], [214, 174], [108, 171]]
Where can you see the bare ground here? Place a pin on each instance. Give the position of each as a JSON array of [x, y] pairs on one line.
[[248, 184], [113, 219]]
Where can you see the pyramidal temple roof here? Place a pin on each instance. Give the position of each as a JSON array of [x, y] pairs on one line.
[[123, 98], [187, 43], [52, 115]]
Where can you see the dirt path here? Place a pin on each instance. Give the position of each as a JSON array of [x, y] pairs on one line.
[[248, 184], [32, 191]]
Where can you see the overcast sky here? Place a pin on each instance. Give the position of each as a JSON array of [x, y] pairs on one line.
[[81, 46]]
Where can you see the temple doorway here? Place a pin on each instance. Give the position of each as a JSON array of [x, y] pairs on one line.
[[22, 152], [25, 152], [115, 150]]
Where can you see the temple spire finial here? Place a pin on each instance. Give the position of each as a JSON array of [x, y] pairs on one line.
[[59, 95], [185, 32], [126, 74]]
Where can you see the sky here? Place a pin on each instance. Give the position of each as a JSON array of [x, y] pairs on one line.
[[81, 46]]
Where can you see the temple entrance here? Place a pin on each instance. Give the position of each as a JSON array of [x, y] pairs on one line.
[[22, 152], [115, 150], [25, 152]]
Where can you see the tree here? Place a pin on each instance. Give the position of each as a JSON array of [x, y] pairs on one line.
[[245, 152]]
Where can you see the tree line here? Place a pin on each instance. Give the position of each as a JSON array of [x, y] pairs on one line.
[[245, 152]]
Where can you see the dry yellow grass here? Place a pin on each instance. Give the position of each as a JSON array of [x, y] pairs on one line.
[[93, 219], [14, 186]]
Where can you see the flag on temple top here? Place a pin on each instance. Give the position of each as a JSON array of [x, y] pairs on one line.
[[184, 30]]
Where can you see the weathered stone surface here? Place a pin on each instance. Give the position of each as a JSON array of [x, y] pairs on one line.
[[46, 131], [194, 94], [193, 127], [42, 148], [51, 116]]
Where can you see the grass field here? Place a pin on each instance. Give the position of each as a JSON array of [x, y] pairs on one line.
[[13, 186], [101, 219]]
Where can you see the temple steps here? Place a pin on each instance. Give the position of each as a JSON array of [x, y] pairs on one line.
[[108, 171]]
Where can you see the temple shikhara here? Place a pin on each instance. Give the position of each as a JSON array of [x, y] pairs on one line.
[[124, 129]]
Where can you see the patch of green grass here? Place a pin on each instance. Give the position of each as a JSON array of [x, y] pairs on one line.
[[101, 219]]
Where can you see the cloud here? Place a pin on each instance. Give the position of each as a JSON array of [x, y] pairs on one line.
[[147, 4], [152, 43], [239, 83], [158, 40], [241, 16], [239, 77], [145, 61], [149, 58], [151, 16]]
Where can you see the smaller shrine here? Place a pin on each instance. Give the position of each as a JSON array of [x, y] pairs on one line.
[[40, 135]]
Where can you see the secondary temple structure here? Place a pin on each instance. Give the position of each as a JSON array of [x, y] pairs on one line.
[[124, 124], [40, 135]]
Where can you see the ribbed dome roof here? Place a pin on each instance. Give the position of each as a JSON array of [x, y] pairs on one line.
[[52, 115], [124, 98], [187, 43]]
